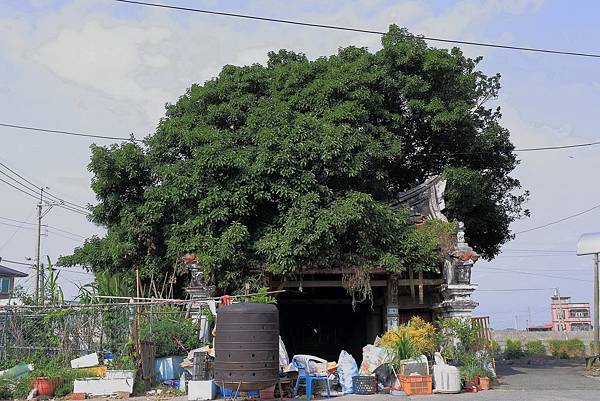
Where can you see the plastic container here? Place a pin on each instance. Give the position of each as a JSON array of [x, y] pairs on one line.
[[226, 393], [17, 371], [167, 368], [446, 379], [99, 371], [416, 385], [364, 385]]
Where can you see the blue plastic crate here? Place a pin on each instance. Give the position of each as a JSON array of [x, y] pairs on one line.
[[232, 393]]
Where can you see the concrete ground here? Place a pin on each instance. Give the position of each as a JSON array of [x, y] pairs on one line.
[[541, 381]]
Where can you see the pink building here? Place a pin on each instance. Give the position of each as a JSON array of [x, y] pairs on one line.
[[571, 315]]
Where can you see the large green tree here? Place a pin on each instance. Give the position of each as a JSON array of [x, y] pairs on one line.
[[292, 165]]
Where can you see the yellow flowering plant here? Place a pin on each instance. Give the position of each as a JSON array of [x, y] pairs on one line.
[[421, 333]]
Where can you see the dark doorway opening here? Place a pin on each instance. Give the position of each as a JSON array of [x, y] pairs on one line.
[[323, 327]]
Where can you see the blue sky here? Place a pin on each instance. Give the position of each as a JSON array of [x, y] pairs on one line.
[[107, 68]]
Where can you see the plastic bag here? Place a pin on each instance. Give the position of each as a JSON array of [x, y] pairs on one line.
[[373, 357], [347, 369], [284, 359]]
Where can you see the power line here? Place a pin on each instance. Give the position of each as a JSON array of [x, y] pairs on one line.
[[534, 274], [513, 289], [15, 233], [559, 220], [537, 250], [37, 187], [18, 263], [62, 203], [358, 30], [576, 145], [72, 133], [32, 266], [14, 225], [18, 189], [140, 140], [49, 230]]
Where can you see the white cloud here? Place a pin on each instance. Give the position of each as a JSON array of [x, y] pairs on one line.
[[95, 66], [108, 59]]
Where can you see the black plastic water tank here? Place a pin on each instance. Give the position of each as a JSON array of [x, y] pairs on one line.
[[247, 346]]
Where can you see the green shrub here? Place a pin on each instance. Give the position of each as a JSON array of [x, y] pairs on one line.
[[6, 391], [172, 333], [564, 349], [513, 349], [495, 349], [456, 336], [402, 349], [535, 348]]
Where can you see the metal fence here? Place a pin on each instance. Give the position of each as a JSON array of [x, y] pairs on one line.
[[62, 331]]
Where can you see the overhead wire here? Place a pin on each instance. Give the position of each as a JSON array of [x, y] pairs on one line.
[[512, 289], [18, 189], [32, 188], [12, 236], [559, 220], [45, 225], [357, 30], [38, 187], [488, 269], [71, 133], [423, 154], [32, 266]]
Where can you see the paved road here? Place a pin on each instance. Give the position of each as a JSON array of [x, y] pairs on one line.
[[548, 381]]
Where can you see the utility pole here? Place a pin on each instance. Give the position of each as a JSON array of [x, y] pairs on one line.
[[561, 315], [517, 322], [528, 320], [596, 306], [589, 244], [38, 283]]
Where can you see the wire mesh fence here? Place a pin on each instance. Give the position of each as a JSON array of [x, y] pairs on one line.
[[64, 332], [70, 331]]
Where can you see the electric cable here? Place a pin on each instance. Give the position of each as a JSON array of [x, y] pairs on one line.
[[358, 30], [559, 220], [72, 133]]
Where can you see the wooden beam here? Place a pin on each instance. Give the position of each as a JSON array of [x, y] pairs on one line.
[[421, 288], [338, 283], [411, 282]]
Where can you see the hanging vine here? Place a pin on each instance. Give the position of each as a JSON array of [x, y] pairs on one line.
[[357, 283]]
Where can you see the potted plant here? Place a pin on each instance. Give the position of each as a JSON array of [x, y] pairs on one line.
[[45, 379], [484, 381], [471, 371], [402, 350]]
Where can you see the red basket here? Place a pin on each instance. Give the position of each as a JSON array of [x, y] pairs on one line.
[[416, 385]]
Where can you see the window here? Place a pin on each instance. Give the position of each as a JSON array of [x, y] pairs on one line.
[[579, 313], [580, 327], [4, 285]]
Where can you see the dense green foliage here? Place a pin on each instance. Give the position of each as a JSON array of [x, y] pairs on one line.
[[457, 337], [535, 348], [171, 332], [294, 165], [513, 349], [564, 349]]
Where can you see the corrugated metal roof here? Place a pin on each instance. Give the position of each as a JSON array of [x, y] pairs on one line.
[[8, 272]]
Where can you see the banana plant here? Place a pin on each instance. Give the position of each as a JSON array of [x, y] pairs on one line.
[[52, 288]]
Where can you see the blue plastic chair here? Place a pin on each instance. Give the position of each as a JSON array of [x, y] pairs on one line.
[[309, 378]]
